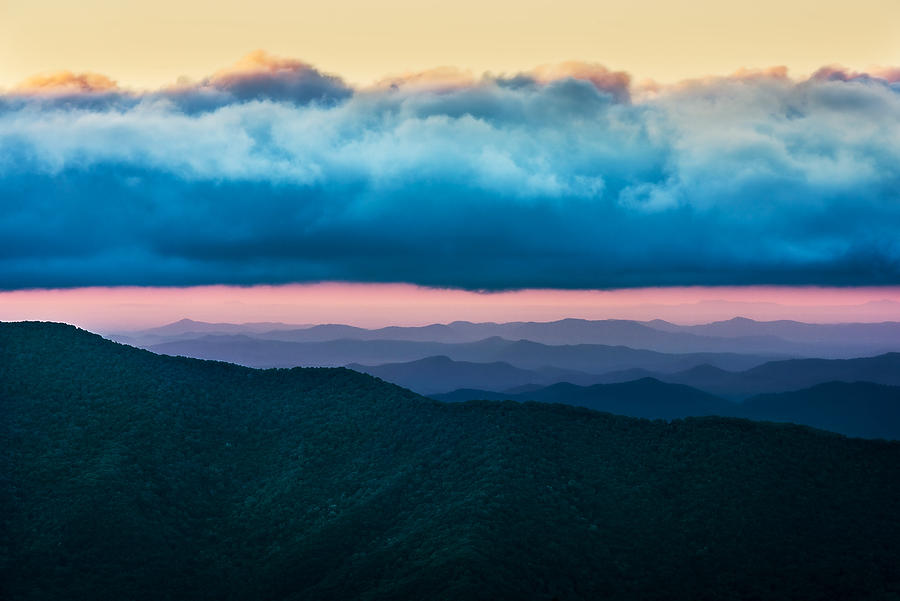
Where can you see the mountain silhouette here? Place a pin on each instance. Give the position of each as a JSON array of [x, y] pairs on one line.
[[739, 335], [442, 374], [647, 397], [851, 408], [776, 376], [524, 354]]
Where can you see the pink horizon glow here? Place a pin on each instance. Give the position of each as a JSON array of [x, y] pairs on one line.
[[375, 305]]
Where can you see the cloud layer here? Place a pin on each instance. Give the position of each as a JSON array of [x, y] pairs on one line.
[[568, 176]]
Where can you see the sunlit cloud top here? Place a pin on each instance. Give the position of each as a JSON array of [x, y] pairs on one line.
[[66, 81], [567, 175]]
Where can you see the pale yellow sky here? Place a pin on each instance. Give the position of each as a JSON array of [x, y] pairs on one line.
[[148, 44]]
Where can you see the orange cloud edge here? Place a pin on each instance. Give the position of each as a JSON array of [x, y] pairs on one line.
[[438, 78]]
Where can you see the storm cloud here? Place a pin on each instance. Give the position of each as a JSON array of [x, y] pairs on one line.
[[567, 176]]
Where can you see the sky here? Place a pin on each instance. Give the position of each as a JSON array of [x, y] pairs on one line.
[[458, 148], [150, 44], [120, 309]]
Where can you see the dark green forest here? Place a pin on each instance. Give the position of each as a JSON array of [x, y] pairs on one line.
[[129, 475]]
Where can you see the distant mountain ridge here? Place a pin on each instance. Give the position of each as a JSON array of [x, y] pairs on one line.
[[186, 329], [591, 358], [648, 398], [439, 375], [190, 326], [776, 376], [853, 409], [884, 333], [739, 335], [443, 374]]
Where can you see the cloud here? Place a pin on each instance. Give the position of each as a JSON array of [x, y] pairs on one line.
[[884, 75], [889, 74], [615, 83], [256, 77], [450, 79], [439, 79], [559, 177], [259, 76], [65, 89], [67, 82]]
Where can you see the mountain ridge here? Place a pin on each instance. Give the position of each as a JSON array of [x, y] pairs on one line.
[[778, 376], [246, 350], [440, 373], [784, 337], [861, 409]]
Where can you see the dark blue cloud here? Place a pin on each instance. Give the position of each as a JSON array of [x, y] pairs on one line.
[[531, 181]]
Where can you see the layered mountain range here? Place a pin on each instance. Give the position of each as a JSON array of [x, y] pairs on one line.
[[130, 475], [738, 335], [842, 377]]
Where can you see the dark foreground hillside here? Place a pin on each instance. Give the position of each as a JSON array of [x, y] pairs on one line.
[[127, 475]]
